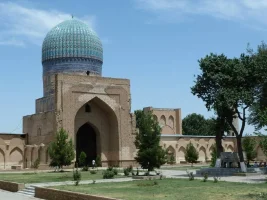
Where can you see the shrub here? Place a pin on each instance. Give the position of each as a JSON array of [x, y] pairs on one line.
[[85, 168], [126, 172], [82, 159], [108, 174], [190, 175], [92, 172], [215, 179], [115, 171], [205, 177], [110, 168], [172, 159], [36, 164], [77, 176], [98, 162]]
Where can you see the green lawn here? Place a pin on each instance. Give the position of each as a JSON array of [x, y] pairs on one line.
[[173, 189], [42, 177]]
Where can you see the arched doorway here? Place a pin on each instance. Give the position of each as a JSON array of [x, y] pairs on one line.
[[86, 142]]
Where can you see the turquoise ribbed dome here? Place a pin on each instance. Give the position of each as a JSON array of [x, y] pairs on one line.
[[71, 39], [71, 47]]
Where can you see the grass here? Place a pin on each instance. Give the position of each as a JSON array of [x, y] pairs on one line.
[[42, 177], [173, 189]]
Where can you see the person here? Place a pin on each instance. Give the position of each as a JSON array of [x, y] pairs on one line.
[[93, 163], [255, 164]]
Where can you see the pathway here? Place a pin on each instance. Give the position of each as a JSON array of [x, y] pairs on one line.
[[257, 178], [14, 196]]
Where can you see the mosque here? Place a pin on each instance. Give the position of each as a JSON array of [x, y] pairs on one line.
[[94, 110]]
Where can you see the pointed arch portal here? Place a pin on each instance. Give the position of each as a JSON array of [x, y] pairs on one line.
[[86, 142]]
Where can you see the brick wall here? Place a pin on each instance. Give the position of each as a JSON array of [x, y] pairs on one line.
[[12, 187], [53, 194]]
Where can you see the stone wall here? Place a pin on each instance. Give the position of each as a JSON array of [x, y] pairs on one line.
[[170, 120], [176, 145], [12, 187], [11, 150], [53, 194]]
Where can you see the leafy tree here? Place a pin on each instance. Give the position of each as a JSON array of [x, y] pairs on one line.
[[249, 146], [191, 154], [263, 143], [258, 116], [213, 155], [194, 124], [61, 151], [82, 159], [150, 154], [228, 87]]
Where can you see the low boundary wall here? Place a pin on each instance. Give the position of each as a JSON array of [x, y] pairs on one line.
[[11, 186], [54, 194]]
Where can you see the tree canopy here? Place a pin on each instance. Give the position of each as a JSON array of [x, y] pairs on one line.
[[150, 154], [196, 124]]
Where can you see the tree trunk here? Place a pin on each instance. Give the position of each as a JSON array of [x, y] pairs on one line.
[[240, 153], [219, 135]]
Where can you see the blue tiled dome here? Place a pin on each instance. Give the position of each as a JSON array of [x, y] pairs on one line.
[[72, 46]]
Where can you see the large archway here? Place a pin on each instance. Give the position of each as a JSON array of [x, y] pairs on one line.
[[86, 142], [103, 120]]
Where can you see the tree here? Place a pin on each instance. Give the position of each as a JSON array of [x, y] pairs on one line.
[[228, 86], [263, 143], [82, 159], [213, 155], [191, 154], [150, 154], [61, 151], [194, 124], [249, 145]]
